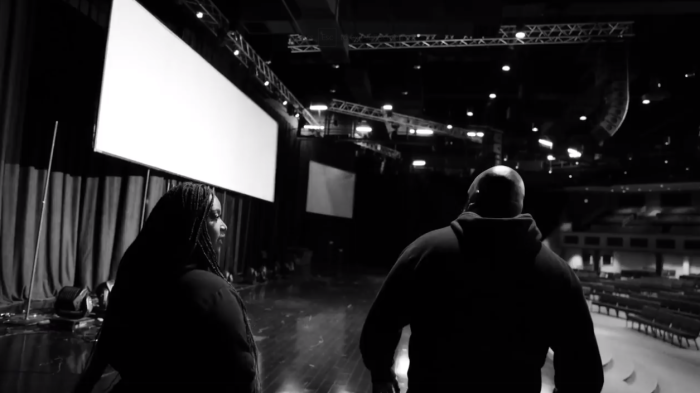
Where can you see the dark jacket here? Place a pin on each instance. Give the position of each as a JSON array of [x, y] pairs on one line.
[[188, 332], [485, 300]]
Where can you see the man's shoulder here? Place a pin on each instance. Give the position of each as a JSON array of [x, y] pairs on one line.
[[440, 241]]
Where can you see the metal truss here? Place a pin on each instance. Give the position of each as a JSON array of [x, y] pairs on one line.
[[381, 149], [365, 112], [551, 34], [218, 24]]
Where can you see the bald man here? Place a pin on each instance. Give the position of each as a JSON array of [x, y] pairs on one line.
[[485, 300]]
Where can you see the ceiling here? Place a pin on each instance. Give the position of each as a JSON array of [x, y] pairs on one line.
[[548, 86]]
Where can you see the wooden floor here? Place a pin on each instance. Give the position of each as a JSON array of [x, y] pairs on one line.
[[308, 334]]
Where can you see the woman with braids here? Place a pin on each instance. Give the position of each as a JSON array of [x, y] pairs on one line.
[[174, 322]]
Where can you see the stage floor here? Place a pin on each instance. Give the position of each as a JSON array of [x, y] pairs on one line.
[[308, 334]]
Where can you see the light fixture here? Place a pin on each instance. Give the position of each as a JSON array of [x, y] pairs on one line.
[[492, 96], [418, 35], [646, 101], [424, 132], [571, 176], [416, 67], [625, 172], [284, 102], [535, 129], [573, 153], [471, 134], [583, 118], [550, 171], [585, 201], [405, 93], [336, 66], [236, 52], [363, 129], [546, 143], [520, 34], [419, 163], [267, 83], [318, 107], [479, 134], [296, 115], [576, 162], [312, 127], [665, 161], [449, 126], [550, 158], [388, 107], [470, 113], [687, 169], [506, 68], [200, 15], [332, 90], [412, 131]]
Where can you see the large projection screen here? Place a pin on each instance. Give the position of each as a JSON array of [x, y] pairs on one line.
[[331, 192], [164, 106]]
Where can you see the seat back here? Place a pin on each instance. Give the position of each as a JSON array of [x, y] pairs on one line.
[[688, 325], [650, 313], [605, 298], [664, 318]]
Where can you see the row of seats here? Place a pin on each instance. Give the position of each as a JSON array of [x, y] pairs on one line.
[[619, 303], [684, 306], [665, 324]]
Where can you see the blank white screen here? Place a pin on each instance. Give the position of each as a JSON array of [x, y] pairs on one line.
[[164, 106], [331, 191]]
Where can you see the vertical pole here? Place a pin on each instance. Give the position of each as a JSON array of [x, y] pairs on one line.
[[145, 198], [41, 222]]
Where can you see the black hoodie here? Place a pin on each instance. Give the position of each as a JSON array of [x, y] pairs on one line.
[[485, 300]]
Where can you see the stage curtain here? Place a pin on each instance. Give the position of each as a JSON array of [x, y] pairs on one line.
[[51, 59]]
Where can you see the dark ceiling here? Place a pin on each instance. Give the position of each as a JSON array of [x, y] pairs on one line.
[[549, 86]]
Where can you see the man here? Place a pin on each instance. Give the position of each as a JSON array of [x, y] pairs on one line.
[[485, 300]]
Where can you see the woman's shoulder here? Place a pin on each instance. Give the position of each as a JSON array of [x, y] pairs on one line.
[[200, 285]]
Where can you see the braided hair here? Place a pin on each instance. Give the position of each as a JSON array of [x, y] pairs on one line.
[[179, 218]]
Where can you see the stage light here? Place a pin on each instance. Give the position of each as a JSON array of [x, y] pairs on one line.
[[236, 52], [336, 66], [546, 143], [585, 201], [665, 161], [646, 102], [576, 162], [312, 127], [363, 129], [625, 172], [332, 90], [416, 67], [506, 68], [550, 158], [284, 102], [687, 169], [573, 153], [200, 15], [388, 107], [583, 118], [318, 107], [267, 83], [535, 129], [520, 34], [571, 176], [296, 115], [424, 132], [492, 96], [419, 163], [470, 113], [480, 134], [471, 134], [411, 131], [405, 93], [550, 171], [449, 126]]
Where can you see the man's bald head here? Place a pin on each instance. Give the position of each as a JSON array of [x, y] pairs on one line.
[[497, 192]]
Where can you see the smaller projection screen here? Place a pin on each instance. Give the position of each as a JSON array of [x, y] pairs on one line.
[[162, 105], [331, 191]]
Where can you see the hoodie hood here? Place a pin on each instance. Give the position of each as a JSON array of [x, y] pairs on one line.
[[518, 236]]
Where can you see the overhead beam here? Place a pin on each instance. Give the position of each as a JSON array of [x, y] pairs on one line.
[[604, 9], [549, 34]]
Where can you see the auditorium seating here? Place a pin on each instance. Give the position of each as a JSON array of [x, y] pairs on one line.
[[619, 303], [665, 324]]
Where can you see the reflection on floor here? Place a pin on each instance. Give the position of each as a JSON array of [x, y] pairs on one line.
[[308, 333]]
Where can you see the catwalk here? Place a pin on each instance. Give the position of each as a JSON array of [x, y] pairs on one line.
[[308, 334]]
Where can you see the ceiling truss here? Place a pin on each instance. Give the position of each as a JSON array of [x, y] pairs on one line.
[[549, 34]]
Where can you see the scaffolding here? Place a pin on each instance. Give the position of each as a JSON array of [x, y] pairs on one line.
[[547, 34]]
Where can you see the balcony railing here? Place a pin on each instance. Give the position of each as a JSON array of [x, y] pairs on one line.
[[661, 243]]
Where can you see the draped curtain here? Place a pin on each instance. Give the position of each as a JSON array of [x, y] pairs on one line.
[[51, 60]]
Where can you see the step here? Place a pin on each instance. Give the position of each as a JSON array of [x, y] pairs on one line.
[[613, 386], [606, 358], [621, 369], [643, 380]]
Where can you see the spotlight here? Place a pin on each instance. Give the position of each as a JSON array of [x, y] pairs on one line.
[[583, 118], [573, 153], [571, 176], [546, 143], [267, 83], [411, 131], [665, 161], [336, 66], [480, 134], [405, 93], [319, 107], [576, 162], [520, 33], [388, 107], [236, 52], [449, 126], [363, 129], [312, 127], [470, 113], [284, 102], [424, 132], [506, 68], [296, 115], [687, 169], [535, 129], [492, 96], [625, 172], [471, 134], [200, 15], [332, 90], [416, 67], [419, 163], [550, 171], [646, 102], [550, 158]]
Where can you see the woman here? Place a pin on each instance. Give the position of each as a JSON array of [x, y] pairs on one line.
[[173, 318]]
